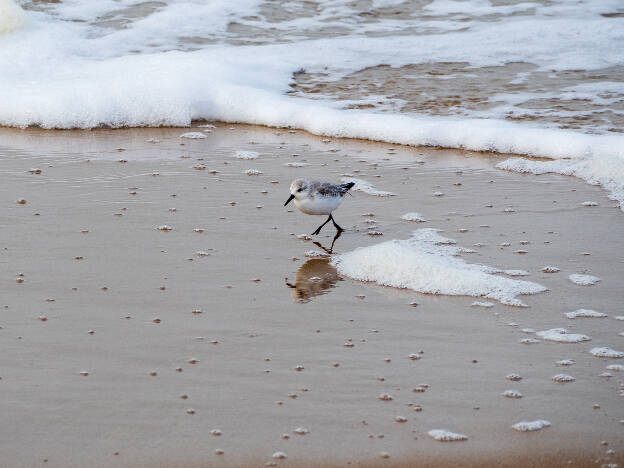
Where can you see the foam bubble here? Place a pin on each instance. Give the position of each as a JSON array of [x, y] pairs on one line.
[[561, 335], [366, 187], [315, 254], [606, 352], [566, 362], [584, 313], [584, 280], [428, 263], [563, 378], [413, 216], [444, 435], [615, 367], [246, 155], [194, 135], [514, 377], [528, 426]]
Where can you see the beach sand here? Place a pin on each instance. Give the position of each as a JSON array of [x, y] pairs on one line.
[[98, 273]]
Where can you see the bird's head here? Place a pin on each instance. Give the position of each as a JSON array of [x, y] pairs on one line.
[[297, 190]]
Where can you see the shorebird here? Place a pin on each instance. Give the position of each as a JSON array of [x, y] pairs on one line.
[[318, 198]]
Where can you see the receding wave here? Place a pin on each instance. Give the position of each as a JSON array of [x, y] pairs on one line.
[[529, 79]]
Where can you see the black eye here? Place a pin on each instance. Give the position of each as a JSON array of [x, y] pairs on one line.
[[299, 190]]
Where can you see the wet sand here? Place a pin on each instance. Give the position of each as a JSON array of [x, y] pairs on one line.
[[205, 307]]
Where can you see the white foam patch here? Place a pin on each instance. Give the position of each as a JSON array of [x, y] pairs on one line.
[[444, 435], [585, 313], [414, 217], [606, 353], [566, 362], [550, 269], [584, 280], [12, 17], [604, 169], [246, 155], [362, 185], [561, 335], [528, 426], [615, 367], [428, 263], [253, 172], [512, 394], [194, 135], [563, 378], [487, 305], [315, 254]]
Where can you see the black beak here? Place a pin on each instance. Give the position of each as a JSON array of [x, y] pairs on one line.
[[289, 198]]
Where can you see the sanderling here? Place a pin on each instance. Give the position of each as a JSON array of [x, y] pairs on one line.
[[318, 198]]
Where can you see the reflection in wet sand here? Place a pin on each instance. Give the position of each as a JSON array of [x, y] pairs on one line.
[[315, 277]]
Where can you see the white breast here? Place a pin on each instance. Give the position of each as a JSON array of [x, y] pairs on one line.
[[318, 205]]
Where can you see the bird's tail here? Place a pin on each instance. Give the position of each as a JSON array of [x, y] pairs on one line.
[[346, 187]]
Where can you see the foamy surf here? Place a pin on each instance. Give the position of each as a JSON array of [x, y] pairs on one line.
[[12, 17], [429, 263], [122, 77]]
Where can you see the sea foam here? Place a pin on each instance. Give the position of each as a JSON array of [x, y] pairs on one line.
[[12, 17], [429, 263], [124, 77], [606, 353], [561, 335], [362, 185], [444, 435], [528, 426], [585, 313]]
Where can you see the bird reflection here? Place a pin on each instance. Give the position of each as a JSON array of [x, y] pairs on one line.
[[331, 248], [315, 277]]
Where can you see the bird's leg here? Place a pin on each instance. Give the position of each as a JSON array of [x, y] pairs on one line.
[[318, 229], [335, 225]]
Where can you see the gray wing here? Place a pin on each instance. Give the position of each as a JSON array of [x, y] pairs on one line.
[[326, 189]]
